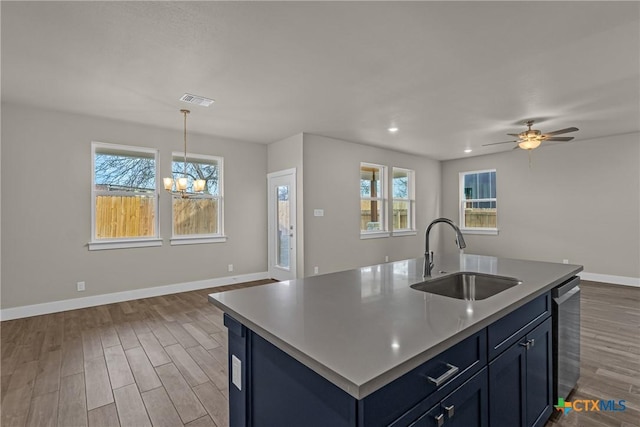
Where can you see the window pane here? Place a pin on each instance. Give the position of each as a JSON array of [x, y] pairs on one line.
[[116, 171], [370, 215], [479, 213], [284, 224], [480, 185], [195, 216], [125, 216], [477, 216], [471, 186], [370, 185], [401, 215], [485, 188], [207, 170], [400, 184]]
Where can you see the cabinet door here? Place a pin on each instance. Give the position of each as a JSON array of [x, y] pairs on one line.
[[539, 375], [507, 381], [467, 406]]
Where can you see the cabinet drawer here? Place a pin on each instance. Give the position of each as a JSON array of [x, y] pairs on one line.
[[436, 377], [513, 326], [467, 406]]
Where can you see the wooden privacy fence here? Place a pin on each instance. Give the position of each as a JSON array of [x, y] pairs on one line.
[[124, 216], [134, 216], [400, 215], [195, 216], [478, 217]]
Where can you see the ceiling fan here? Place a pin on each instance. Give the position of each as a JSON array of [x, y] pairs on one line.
[[532, 138]]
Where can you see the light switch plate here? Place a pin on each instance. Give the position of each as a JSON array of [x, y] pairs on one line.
[[318, 212], [236, 372]]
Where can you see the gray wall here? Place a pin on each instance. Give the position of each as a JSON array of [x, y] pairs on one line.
[[46, 206], [578, 201], [287, 154], [331, 182]]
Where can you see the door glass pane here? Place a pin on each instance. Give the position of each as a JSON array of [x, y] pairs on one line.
[[284, 226]]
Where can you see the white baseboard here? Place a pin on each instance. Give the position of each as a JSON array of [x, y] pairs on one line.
[[608, 278], [75, 303]]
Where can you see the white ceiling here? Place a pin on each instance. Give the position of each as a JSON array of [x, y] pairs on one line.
[[449, 75]]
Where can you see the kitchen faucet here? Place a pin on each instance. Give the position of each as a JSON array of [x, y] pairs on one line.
[[428, 256]]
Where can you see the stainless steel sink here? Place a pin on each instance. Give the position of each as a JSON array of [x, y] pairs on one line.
[[467, 286]]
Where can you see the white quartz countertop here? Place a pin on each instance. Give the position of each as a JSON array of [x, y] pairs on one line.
[[363, 328]]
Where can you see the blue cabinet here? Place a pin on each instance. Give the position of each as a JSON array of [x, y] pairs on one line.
[[520, 381], [267, 387], [465, 407], [501, 376], [405, 399]]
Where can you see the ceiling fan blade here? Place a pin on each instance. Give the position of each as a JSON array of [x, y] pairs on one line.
[[558, 132], [496, 143], [559, 138], [514, 134]]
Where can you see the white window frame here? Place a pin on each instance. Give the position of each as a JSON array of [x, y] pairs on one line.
[[462, 201], [195, 239], [411, 199], [384, 232], [128, 242]]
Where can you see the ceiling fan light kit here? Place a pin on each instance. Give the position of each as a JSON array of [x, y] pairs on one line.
[[532, 138], [529, 144]]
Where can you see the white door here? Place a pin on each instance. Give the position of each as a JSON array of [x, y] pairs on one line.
[[282, 224]]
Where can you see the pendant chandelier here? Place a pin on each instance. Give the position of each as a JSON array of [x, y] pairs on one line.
[[181, 183]]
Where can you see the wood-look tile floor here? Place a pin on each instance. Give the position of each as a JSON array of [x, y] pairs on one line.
[[163, 362], [158, 361]]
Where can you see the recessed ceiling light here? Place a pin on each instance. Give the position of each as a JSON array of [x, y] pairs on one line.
[[393, 129], [468, 150], [197, 100]]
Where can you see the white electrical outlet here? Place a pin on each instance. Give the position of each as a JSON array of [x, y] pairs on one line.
[[386, 258], [236, 372], [80, 286], [565, 261], [315, 270], [230, 267]]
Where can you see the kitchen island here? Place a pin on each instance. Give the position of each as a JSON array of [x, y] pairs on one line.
[[361, 347]]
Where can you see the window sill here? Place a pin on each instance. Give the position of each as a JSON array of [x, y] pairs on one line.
[[404, 233], [374, 235], [176, 241], [124, 244], [480, 231]]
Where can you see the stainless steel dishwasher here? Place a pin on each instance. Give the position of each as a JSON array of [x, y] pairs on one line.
[[566, 337]]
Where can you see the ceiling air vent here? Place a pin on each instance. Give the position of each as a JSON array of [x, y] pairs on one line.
[[197, 100]]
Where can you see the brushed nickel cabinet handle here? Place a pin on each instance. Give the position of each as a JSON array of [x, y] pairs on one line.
[[444, 377], [530, 343], [450, 411], [439, 420]]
